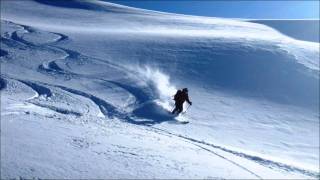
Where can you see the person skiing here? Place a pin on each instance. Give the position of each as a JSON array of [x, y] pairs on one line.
[[180, 97]]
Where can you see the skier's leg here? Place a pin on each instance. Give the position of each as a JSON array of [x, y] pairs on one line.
[[180, 108], [175, 108]]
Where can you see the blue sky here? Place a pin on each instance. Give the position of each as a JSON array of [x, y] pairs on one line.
[[233, 8]]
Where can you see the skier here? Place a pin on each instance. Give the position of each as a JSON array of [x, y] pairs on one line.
[[180, 97]]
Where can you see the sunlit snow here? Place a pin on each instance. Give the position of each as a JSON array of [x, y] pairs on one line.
[[86, 90]]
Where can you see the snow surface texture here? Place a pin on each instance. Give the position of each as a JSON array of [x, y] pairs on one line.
[[86, 88]]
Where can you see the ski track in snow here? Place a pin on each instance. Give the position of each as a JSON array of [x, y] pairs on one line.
[[262, 161], [51, 67]]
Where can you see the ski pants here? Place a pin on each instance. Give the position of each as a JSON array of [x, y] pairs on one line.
[[178, 108]]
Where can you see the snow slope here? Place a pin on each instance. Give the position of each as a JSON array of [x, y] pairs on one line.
[[306, 30], [86, 86]]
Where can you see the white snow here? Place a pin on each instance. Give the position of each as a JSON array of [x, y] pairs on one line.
[[86, 89]]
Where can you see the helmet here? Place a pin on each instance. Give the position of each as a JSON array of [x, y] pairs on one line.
[[185, 89]]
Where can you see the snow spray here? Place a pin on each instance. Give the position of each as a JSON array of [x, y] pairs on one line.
[[160, 82]]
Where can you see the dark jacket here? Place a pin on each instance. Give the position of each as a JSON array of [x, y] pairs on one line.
[[181, 96]]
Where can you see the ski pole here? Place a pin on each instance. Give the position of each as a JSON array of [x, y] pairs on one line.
[[187, 109]]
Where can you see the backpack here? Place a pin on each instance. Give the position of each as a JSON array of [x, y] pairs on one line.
[[177, 95]]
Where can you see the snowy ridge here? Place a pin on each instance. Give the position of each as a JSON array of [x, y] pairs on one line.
[[100, 91], [162, 24]]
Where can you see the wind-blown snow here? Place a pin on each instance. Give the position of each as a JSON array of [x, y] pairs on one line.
[[87, 86], [161, 83]]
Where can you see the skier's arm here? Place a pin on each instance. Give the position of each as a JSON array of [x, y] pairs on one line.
[[188, 100]]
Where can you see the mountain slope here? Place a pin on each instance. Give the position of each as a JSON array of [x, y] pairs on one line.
[[86, 86]]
